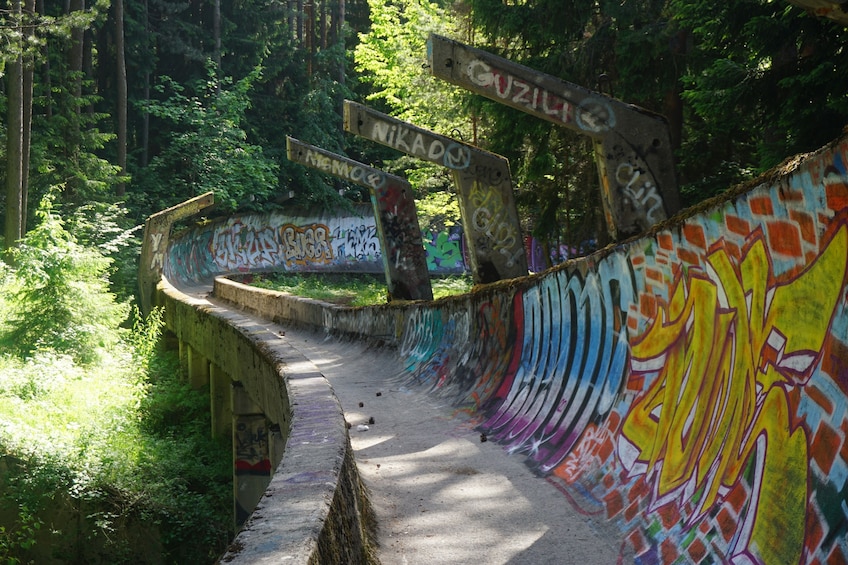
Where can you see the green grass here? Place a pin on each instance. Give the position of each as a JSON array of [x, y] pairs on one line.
[[350, 289], [109, 462]]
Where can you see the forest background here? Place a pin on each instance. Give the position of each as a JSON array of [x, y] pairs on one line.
[[114, 111]]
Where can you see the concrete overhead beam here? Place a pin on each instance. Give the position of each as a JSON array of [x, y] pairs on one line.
[[483, 184], [632, 146], [404, 259]]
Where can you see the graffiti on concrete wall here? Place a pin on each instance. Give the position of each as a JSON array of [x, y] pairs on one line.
[[690, 387], [267, 242], [574, 358], [446, 251], [492, 219], [726, 353], [356, 241], [252, 462], [729, 443], [157, 259], [242, 245]]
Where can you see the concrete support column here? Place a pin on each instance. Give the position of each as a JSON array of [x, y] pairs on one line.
[[198, 368], [183, 351], [278, 445], [251, 453], [170, 341], [220, 400]]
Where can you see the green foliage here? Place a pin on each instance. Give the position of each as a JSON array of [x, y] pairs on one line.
[[437, 211], [208, 149], [106, 227], [19, 538], [144, 337], [350, 289], [392, 58], [185, 473], [346, 289], [93, 460], [62, 302], [764, 81], [451, 285], [69, 140], [28, 33]]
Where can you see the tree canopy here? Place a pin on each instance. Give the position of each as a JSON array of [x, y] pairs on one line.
[[157, 101]]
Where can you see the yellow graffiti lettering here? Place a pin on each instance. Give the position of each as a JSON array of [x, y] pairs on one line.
[[727, 347]]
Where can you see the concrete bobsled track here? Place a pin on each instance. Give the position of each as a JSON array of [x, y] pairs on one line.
[[687, 390]]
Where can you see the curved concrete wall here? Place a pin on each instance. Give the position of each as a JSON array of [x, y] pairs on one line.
[[280, 242], [314, 509], [689, 386]]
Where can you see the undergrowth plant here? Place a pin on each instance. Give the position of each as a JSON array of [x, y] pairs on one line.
[[111, 461], [62, 301], [351, 289]]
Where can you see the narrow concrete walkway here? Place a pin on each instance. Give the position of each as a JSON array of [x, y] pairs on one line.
[[440, 494]]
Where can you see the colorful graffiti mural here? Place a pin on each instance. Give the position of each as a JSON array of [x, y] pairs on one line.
[[690, 388], [278, 242]]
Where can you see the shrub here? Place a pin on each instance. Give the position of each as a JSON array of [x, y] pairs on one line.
[[63, 302]]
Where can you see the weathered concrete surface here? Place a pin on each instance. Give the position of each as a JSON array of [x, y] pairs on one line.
[[836, 10], [440, 495], [313, 510], [156, 240], [483, 186], [688, 388], [404, 259], [632, 145]]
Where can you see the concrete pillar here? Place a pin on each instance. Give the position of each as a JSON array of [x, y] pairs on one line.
[[278, 445], [632, 146], [198, 368], [170, 341], [404, 258], [183, 350], [251, 454], [483, 187], [220, 400]]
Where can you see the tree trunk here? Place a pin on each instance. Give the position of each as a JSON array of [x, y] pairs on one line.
[[300, 21], [121, 79], [75, 53], [28, 80], [145, 123], [322, 16], [310, 35], [14, 143], [70, 104], [339, 27], [216, 32]]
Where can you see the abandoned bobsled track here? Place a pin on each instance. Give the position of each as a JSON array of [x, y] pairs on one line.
[[685, 392]]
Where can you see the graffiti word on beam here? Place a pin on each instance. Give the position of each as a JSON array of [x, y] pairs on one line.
[[632, 146], [483, 186]]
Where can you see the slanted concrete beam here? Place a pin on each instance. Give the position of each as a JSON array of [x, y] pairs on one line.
[[836, 10], [154, 244], [632, 146], [404, 258], [483, 184]]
